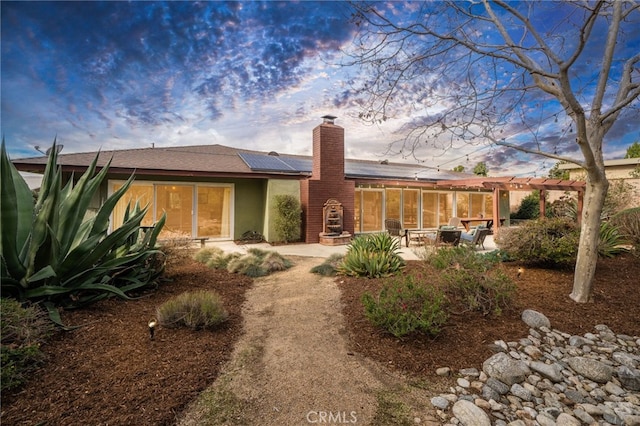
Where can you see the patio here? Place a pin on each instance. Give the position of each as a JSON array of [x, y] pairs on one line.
[[319, 250]]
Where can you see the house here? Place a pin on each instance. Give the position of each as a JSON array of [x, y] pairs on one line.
[[221, 192], [624, 169]]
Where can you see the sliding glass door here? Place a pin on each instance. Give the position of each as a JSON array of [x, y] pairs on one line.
[[194, 210]]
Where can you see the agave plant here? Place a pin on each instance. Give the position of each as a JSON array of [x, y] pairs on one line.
[[373, 256], [52, 252]]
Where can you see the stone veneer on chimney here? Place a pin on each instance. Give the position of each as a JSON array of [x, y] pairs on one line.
[[327, 181]]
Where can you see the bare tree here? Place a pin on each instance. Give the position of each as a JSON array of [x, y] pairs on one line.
[[472, 72]]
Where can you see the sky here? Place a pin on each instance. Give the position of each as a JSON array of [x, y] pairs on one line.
[[254, 75]]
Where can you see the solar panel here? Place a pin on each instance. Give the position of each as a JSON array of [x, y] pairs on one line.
[[299, 164], [265, 162], [283, 164]]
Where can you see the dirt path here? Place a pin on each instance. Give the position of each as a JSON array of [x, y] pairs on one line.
[[293, 366]]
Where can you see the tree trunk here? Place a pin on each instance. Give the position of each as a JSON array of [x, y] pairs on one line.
[[585, 270]]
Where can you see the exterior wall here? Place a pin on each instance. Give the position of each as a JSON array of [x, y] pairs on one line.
[[249, 206], [277, 187], [314, 194]]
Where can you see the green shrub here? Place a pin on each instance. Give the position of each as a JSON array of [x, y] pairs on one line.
[[529, 207], [628, 225], [404, 306], [249, 265], [478, 289], [473, 279], [461, 256], [221, 261], [288, 218], [274, 261], [22, 330], [56, 252], [545, 242], [329, 267], [196, 310], [373, 256], [205, 254], [257, 263]]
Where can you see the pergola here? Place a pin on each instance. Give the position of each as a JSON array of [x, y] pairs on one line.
[[519, 184]]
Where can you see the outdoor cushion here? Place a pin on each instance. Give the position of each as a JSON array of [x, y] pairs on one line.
[[447, 227]]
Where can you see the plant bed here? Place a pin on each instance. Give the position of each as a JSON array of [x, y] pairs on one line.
[[110, 372], [464, 340]]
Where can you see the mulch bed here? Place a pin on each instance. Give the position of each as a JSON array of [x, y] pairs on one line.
[[110, 372], [464, 341]]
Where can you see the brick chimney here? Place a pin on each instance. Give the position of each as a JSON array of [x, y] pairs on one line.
[[327, 180], [328, 151]]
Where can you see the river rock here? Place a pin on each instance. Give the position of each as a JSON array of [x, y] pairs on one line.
[[469, 414], [535, 319], [591, 369], [505, 369]]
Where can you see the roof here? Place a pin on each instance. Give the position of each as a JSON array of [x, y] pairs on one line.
[[607, 163], [220, 160]]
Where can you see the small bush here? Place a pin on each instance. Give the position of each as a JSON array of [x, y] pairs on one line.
[[22, 331], [543, 242], [258, 263], [480, 290], [222, 260], [461, 256], [248, 264], [404, 306], [196, 310], [329, 267], [205, 254], [473, 279], [373, 256]]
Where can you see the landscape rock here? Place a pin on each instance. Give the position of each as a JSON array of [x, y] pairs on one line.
[[565, 419], [552, 372], [629, 378], [551, 378], [535, 319], [591, 369], [468, 414], [505, 369]]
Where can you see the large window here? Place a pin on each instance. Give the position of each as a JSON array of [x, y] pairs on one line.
[[462, 204], [201, 210], [393, 200], [429, 209], [372, 211], [141, 193], [177, 202], [369, 210], [213, 211], [410, 208], [445, 207]]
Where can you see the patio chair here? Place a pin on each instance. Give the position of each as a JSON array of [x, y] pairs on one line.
[[454, 221], [476, 239], [394, 228], [447, 237]]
